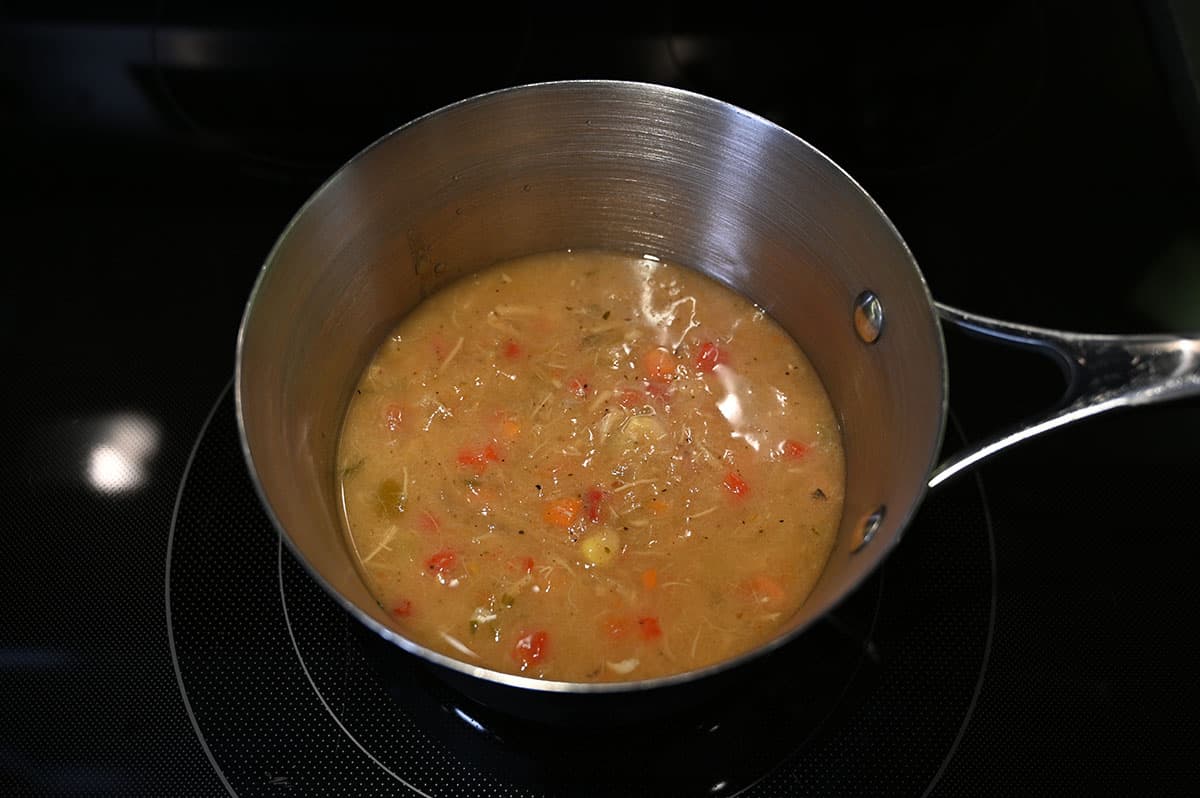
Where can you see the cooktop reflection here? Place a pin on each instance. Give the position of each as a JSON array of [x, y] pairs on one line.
[[289, 694]]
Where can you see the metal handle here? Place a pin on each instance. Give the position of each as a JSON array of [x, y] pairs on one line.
[[1103, 372]]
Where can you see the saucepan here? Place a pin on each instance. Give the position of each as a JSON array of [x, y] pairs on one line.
[[640, 169]]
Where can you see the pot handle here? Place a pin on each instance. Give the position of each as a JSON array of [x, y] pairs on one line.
[[1103, 372]]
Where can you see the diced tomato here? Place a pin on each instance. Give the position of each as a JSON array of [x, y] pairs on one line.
[[441, 561], [478, 457], [562, 512], [392, 416], [648, 628], [592, 503], [521, 564], [658, 364], [511, 350], [708, 357], [530, 648], [402, 609], [428, 522], [578, 387], [794, 450], [735, 484], [631, 398]]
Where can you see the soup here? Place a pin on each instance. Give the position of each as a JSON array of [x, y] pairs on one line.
[[585, 466]]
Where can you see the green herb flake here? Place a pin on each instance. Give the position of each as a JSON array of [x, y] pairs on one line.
[[390, 498]]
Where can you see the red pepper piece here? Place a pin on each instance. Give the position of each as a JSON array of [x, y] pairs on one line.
[[794, 450], [530, 648], [708, 357], [648, 628], [441, 561], [735, 484], [593, 502]]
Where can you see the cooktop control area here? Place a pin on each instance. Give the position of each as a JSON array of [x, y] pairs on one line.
[[1031, 633]]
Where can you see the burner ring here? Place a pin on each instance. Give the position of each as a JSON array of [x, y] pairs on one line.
[[283, 688]]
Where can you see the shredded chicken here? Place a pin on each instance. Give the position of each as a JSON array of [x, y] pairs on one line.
[[453, 353]]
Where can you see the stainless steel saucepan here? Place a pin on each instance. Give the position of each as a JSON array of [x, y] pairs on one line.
[[640, 169]]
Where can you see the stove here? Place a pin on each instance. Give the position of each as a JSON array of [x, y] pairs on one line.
[[1031, 633]]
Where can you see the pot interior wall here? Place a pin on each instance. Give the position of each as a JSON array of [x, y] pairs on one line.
[[623, 167]]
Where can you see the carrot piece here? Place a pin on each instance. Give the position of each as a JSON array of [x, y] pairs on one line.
[[708, 357], [592, 502], [441, 561], [393, 414], [530, 648], [403, 609], [562, 512], [510, 429], [648, 628], [511, 350], [735, 484], [794, 450], [649, 578], [658, 363]]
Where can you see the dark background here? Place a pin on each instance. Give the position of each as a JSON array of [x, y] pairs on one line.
[[1041, 159]]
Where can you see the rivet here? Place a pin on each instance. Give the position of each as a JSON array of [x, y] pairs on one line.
[[868, 317], [867, 529]]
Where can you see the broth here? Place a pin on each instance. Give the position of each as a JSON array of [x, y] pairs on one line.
[[586, 466]]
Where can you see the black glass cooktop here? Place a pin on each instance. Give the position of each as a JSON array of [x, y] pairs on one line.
[[1032, 633], [283, 688]]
